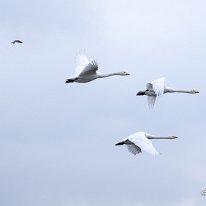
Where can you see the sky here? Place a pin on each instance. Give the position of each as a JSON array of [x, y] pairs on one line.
[[57, 140]]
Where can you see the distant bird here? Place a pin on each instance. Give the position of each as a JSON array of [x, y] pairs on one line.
[[16, 41], [140, 141], [157, 88], [87, 71]]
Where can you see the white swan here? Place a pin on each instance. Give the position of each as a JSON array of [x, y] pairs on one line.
[[140, 141], [87, 71], [158, 88]]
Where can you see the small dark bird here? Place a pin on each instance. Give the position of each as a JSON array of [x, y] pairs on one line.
[[16, 41]]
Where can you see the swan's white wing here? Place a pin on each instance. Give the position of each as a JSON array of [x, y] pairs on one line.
[[134, 149], [144, 144], [81, 62], [90, 69], [158, 86], [151, 101]]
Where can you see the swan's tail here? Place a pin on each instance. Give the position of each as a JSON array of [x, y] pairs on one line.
[[70, 80], [140, 93], [120, 143]]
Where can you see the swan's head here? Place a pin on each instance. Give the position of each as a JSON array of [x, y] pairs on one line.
[[124, 73], [194, 91]]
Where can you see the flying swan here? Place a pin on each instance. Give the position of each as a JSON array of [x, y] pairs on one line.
[[87, 71], [157, 88], [140, 141], [16, 41]]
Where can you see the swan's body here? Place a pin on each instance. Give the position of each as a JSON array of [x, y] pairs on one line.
[[140, 141], [87, 71], [158, 88]]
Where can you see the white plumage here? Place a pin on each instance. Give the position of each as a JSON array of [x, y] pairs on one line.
[[157, 88], [86, 71], [81, 62], [139, 142]]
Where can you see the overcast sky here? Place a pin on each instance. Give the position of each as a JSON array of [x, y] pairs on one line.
[[57, 140]]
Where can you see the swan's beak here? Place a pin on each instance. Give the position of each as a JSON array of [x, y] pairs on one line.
[[126, 73], [194, 91], [173, 137]]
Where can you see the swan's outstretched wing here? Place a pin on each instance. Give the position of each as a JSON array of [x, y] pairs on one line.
[[84, 67], [151, 101], [158, 86], [90, 69], [81, 62], [134, 149], [144, 144]]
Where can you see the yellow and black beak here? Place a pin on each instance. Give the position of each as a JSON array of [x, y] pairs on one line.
[[126, 73], [174, 137], [195, 92]]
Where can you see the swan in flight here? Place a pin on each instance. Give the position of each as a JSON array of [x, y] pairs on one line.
[[87, 71], [16, 41], [157, 88], [140, 141]]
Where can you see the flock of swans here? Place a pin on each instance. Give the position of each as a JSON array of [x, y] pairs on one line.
[[138, 142], [86, 71]]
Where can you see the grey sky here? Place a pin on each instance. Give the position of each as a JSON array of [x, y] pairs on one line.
[[57, 141]]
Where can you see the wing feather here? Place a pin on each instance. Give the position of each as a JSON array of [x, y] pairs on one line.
[[158, 86], [134, 149], [143, 143], [84, 67], [151, 101], [81, 62], [90, 69]]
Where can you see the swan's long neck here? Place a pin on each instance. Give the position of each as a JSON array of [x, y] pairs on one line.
[[100, 75], [170, 90], [157, 137]]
